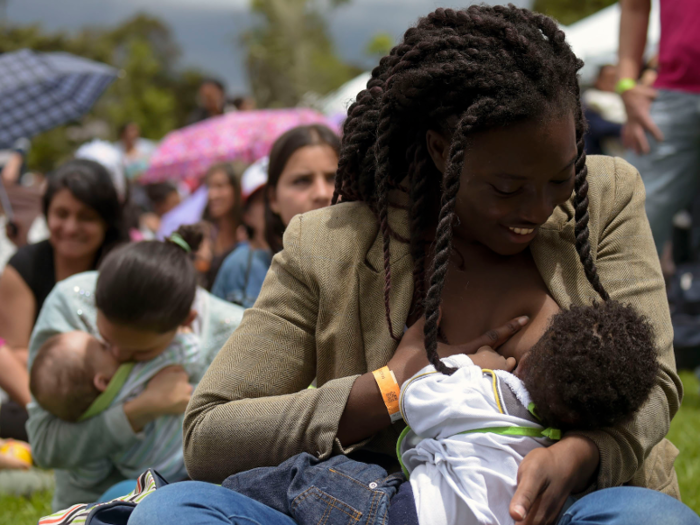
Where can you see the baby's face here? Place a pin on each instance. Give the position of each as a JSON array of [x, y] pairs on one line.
[[93, 351]]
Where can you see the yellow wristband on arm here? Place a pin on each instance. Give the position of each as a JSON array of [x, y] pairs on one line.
[[624, 84], [390, 390]]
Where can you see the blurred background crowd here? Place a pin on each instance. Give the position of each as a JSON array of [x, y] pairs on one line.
[[107, 137]]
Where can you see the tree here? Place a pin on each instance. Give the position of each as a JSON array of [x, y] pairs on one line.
[[379, 45], [150, 91], [289, 53], [567, 12]]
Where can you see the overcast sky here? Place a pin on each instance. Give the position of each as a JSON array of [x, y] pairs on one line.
[[208, 30]]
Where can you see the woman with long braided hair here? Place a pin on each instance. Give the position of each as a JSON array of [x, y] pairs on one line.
[[464, 201]]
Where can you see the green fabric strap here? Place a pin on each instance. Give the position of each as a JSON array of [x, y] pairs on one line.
[[105, 398], [551, 433]]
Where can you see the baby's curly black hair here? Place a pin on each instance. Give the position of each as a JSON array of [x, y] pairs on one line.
[[594, 367], [457, 72]]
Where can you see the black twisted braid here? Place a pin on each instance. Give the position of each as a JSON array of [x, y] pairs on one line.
[[456, 72]]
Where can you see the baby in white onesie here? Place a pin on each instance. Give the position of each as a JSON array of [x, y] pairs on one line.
[[468, 432]]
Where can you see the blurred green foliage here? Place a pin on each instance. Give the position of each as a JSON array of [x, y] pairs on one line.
[[150, 90], [290, 54], [379, 45], [567, 12]]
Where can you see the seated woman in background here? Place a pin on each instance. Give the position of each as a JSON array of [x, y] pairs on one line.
[[223, 211], [124, 306], [301, 171], [84, 218]]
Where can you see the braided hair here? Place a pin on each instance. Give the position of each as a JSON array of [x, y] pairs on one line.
[[457, 72]]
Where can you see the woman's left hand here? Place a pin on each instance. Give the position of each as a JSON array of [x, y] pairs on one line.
[[548, 476]]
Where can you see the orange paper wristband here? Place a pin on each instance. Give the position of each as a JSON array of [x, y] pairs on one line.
[[389, 388]]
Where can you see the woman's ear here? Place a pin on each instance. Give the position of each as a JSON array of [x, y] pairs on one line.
[[272, 199], [438, 148], [100, 381]]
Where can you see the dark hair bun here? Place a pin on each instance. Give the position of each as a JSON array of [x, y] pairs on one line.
[[193, 234]]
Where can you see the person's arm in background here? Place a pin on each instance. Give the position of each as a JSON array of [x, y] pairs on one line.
[[13, 169], [59, 444], [14, 378], [17, 312], [634, 24]]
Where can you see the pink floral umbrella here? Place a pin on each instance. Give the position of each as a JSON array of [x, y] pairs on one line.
[[187, 153]]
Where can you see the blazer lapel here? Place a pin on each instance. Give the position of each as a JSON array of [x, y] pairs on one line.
[[554, 252]]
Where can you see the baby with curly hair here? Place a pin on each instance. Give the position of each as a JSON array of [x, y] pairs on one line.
[[468, 432]]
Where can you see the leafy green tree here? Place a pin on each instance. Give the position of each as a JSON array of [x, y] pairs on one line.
[[567, 12], [289, 53], [150, 89]]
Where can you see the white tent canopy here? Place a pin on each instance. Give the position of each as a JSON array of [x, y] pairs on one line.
[[338, 101], [595, 39]]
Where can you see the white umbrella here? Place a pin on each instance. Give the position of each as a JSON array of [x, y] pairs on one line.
[[596, 38]]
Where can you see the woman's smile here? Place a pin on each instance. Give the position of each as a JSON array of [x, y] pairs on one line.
[[521, 235]]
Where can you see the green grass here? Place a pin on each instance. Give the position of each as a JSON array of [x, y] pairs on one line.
[[24, 511], [685, 429]]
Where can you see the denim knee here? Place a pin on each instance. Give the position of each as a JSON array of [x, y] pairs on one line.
[[198, 503], [629, 506]]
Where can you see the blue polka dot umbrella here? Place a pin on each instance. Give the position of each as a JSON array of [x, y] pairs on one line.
[[40, 91]]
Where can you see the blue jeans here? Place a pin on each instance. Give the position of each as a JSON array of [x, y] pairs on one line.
[[671, 170], [120, 489], [197, 503]]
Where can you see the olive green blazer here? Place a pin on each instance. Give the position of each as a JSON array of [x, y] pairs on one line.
[[321, 315]]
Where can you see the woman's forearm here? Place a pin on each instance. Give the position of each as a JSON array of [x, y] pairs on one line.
[[14, 378], [365, 413], [634, 23], [222, 437]]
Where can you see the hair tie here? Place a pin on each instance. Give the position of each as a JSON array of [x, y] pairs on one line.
[[176, 238]]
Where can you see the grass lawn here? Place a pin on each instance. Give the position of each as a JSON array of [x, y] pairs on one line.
[[684, 434]]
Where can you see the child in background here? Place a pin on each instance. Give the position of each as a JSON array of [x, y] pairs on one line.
[[469, 431], [75, 376]]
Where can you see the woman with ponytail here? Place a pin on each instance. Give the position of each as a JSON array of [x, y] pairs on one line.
[[465, 202], [142, 296]]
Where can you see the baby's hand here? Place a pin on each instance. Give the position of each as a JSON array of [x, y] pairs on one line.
[[487, 357]]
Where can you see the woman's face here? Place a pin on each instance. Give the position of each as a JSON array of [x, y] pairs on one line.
[[306, 183], [222, 196], [513, 178], [129, 344], [76, 229]]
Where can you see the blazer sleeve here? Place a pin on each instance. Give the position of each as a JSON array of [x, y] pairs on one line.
[[252, 407], [56, 443], [630, 271]]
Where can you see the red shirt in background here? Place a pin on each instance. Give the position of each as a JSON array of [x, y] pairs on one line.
[[679, 48]]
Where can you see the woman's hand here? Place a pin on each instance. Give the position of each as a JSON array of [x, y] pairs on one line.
[[487, 357], [548, 476], [410, 355], [637, 105], [167, 393]]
